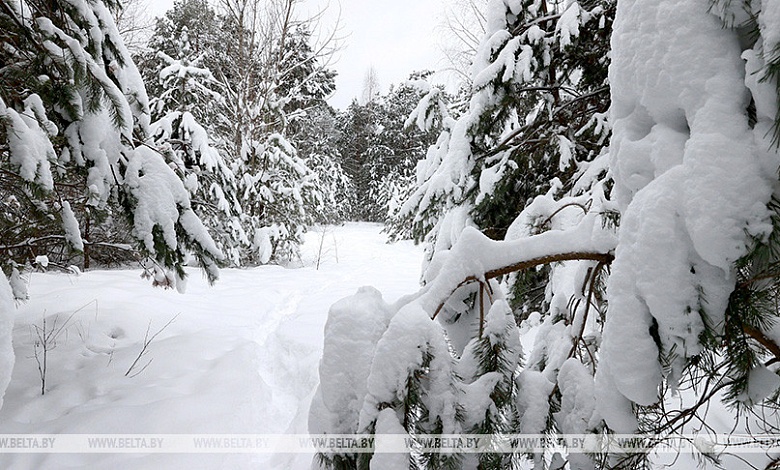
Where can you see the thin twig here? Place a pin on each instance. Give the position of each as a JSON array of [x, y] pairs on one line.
[[145, 348], [584, 208]]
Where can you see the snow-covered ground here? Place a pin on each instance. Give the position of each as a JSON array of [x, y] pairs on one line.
[[238, 357]]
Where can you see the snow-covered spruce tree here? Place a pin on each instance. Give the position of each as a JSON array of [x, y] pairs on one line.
[[357, 126], [689, 304], [398, 147], [204, 34], [275, 189], [380, 152], [307, 81], [705, 146], [192, 125], [75, 124], [534, 125], [187, 91], [311, 124], [316, 141], [183, 82], [536, 111], [267, 74], [433, 111]]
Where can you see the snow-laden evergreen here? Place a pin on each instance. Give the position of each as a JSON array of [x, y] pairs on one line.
[[379, 150], [660, 252], [78, 149], [316, 136], [535, 110], [189, 90], [249, 80], [688, 167]]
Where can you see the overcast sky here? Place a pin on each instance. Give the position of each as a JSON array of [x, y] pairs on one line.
[[396, 37]]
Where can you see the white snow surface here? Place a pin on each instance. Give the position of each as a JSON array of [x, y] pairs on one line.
[[240, 357]]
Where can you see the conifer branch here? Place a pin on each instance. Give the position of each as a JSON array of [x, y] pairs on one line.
[[602, 258], [764, 341], [591, 283], [584, 207], [580, 98], [605, 258]]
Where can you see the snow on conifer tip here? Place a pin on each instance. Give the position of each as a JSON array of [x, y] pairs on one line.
[[162, 201], [387, 424], [71, 227], [31, 149], [410, 340]]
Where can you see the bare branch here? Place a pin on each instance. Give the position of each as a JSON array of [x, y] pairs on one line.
[[145, 348]]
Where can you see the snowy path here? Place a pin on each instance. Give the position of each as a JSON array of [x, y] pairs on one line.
[[241, 357]]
